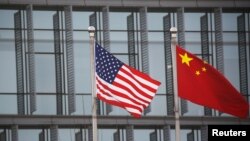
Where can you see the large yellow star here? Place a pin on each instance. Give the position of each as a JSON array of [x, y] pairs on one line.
[[185, 59]]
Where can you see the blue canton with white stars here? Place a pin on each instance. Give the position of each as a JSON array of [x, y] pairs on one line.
[[107, 66]]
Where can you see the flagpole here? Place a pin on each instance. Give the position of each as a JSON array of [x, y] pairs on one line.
[[91, 30], [173, 31]]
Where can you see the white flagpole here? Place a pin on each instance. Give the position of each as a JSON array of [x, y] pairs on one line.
[[91, 30], [173, 31]]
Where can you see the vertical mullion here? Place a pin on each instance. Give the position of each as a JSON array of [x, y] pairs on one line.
[[14, 133], [130, 133], [168, 64], [131, 40], [70, 59], [181, 41], [166, 133], [190, 136], [106, 42], [58, 62], [242, 55], [204, 133], [54, 133], [144, 45], [31, 58], [219, 40], [205, 49], [19, 63]]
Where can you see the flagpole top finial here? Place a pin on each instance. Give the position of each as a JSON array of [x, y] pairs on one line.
[[173, 31], [91, 30]]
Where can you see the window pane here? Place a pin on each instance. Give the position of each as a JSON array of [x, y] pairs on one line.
[[8, 16], [8, 66], [118, 21], [8, 104], [45, 73], [41, 16]]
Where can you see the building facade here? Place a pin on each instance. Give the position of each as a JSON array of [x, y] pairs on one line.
[[45, 81]]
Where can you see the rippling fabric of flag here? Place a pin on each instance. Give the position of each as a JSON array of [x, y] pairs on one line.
[[121, 85], [202, 84]]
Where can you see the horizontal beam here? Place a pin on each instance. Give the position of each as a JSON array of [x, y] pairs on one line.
[[134, 3], [41, 121]]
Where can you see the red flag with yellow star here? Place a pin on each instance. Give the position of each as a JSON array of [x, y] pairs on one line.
[[202, 84]]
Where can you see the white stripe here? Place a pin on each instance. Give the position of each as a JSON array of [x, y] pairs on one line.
[[132, 89], [125, 92], [118, 98], [144, 81], [146, 91], [131, 110]]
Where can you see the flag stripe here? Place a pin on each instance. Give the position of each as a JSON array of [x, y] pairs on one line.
[[147, 88], [143, 78], [121, 91], [107, 89], [126, 82], [111, 101]]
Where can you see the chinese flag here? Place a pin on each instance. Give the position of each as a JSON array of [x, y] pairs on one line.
[[202, 84]]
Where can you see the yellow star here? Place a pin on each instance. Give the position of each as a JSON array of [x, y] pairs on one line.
[[197, 73], [204, 69], [185, 59]]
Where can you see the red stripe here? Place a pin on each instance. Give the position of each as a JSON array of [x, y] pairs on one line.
[[118, 94], [117, 103], [140, 92], [142, 84], [143, 75]]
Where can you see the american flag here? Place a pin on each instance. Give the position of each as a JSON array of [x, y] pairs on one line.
[[121, 85]]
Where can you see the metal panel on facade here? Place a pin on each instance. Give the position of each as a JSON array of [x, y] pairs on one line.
[[219, 40], [205, 49], [180, 27], [116, 136], [130, 133], [93, 22], [31, 58], [204, 133], [105, 20], [19, 63], [58, 62], [78, 136], [166, 133], [90, 133], [14, 133], [54, 133], [242, 49], [181, 42], [131, 41], [190, 136], [41, 136], [168, 64], [70, 58], [153, 136], [106, 42], [3, 136], [144, 45]]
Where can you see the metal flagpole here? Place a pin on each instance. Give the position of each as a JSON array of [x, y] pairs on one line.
[[91, 30], [173, 31]]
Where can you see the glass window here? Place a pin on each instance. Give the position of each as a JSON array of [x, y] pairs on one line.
[[40, 16], [29, 134], [229, 21], [155, 21], [81, 20], [8, 66], [8, 104], [7, 18], [45, 73], [192, 21], [118, 20]]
